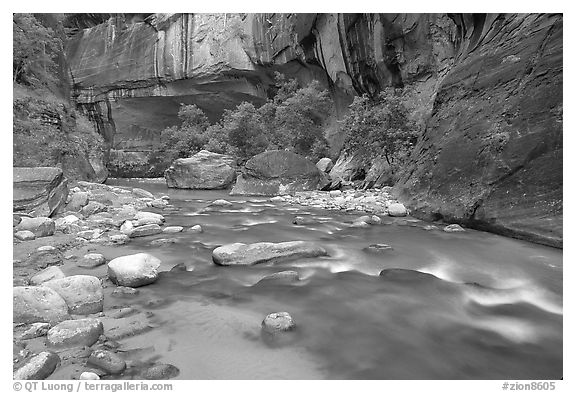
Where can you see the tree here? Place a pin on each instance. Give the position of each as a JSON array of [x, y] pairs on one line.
[[379, 128], [245, 130], [35, 49], [189, 137]]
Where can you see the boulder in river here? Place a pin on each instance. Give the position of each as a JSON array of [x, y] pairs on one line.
[[50, 273], [203, 171], [40, 191], [397, 210], [134, 270], [38, 304], [39, 226], [38, 367], [76, 332], [251, 254], [92, 260], [146, 230], [284, 277], [454, 228], [278, 322], [24, 235], [278, 172], [83, 294], [161, 371]]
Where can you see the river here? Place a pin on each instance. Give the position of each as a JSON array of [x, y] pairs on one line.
[[493, 311]]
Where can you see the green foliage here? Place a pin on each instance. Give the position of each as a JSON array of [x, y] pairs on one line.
[[293, 120], [379, 128], [35, 49], [46, 132]]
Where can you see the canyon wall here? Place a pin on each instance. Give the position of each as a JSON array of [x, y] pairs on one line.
[[486, 89]]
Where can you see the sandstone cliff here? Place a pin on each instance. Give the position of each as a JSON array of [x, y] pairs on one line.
[[487, 90]]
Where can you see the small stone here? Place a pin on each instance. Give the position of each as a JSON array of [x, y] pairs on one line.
[[397, 210], [24, 235], [149, 215], [125, 292], [89, 376], [119, 239], [454, 228], [335, 193], [278, 322], [195, 229], [76, 332], [277, 199], [127, 227], [39, 367], [92, 260], [173, 229], [142, 193], [93, 207], [35, 330], [46, 248], [147, 221], [39, 226], [146, 230], [221, 202], [284, 277], [303, 220], [378, 247], [50, 273], [161, 371], [107, 361]]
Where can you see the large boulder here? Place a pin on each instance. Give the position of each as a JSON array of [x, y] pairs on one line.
[[251, 254], [39, 226], [39, 191], [325, 164], [50, 273], [39, 367], [77, 332], [134, 270], [203, 171], [83, 294], [38, 304], [278, 172]]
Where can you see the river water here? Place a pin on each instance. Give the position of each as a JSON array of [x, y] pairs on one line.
[[492, 311]]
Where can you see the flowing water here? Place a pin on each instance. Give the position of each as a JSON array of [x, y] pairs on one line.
[[490, 307]]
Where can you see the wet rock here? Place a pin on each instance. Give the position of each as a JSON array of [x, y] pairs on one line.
[[119, 328], [92, 260], [397, 210], [370, 220], [78, 332], [24, 235], [203, 171], [161, 371], [251, 254], [40, 191], [125, 292], [149, 216], [83, 294], [147, 221], [278, 172], [77, 201], [278, 322], [93, 207], [134, 270], [159, 203], [221, 202], [42, 259], [50, 273], [160, 242], [107, 361], [39, 226], [429, 227], [39, 367], [380, 247], [407, 275], [195, 229], [324, 164], [142, 193], [146, 230], [284, 277], [173, 229], [454, 228], [38, 304], [119, 239], [304, 220], [35, 330], [127, 227], [89, 376]]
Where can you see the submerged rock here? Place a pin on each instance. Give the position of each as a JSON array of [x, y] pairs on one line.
[[203, 171], [284, 277], [173, 229], [134, 270], [83, 294], [78, 332], [142, 193], [251, 254], [35, 330], [39, 367], [107, 361], [38, 304], [278, 322], [161, 371], [278, 172], [380, 247], [454, 228], [40, 191]]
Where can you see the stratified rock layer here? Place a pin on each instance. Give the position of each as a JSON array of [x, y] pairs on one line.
[[39, 191]]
